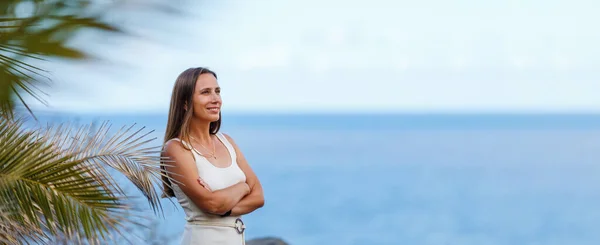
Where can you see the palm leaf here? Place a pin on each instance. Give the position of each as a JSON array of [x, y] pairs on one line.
[[127, 151], [12, 232], [53, 191], [27, 41], [55, 183]]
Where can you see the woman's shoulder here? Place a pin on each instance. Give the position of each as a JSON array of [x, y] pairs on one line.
[[227, 137], [173, 141], [174, 145]]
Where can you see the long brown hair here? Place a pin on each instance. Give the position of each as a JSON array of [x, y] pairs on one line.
[[179, 118]]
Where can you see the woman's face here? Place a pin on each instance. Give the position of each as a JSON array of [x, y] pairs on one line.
[[207, 98]]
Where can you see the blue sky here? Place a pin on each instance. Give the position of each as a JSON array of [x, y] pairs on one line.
[[379, 55]]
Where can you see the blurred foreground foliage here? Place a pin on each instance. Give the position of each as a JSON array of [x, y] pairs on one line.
[[57, 183]]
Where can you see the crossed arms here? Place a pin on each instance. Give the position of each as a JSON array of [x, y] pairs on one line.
[[241, 198]]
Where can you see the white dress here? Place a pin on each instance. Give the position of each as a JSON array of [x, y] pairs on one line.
[[205, 228]]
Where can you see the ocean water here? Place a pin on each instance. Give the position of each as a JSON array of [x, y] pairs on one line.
[[414, 179]]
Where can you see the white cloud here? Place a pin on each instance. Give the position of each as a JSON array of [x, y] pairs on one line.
[[390, 55]]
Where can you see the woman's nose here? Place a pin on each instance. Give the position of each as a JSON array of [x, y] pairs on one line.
[[216, 97]]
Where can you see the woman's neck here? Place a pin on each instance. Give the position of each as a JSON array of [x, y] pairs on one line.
[[200, 132]]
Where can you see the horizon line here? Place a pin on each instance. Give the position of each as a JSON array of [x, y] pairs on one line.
[[335, 112]]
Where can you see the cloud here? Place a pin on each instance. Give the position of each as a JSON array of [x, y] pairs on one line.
[[389, 55]]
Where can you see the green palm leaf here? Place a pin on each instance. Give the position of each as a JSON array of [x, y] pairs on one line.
[[59, 179], [56, 183], [52, 191], [126, 151], [27, 41], [12, 232]]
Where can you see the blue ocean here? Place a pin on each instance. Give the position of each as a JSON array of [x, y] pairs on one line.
[[419, 179]]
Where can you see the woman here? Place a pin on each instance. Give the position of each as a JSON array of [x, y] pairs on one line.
[[214, 184]]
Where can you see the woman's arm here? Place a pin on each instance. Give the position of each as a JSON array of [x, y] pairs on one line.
[[255, 199], [182, 169], [249, 203]]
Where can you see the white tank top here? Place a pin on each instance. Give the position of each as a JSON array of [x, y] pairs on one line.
[[216, 177]]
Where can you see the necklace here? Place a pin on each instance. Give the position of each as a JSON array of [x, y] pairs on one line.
[[213, 154]]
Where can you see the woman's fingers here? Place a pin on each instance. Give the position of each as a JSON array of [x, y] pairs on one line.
[[204, 184]]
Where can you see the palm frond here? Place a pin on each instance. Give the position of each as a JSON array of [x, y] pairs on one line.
[[52, 191], [12, 232], [126, 150], [26, 41]]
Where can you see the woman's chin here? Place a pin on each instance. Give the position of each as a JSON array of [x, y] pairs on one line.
[[209, 118], [214, 118]]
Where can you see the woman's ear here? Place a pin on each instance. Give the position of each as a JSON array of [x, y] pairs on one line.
[[185, 106]]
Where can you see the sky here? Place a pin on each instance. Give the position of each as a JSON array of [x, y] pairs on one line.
[[350, 56]]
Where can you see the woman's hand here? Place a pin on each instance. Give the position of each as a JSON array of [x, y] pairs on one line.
[[204, 184]]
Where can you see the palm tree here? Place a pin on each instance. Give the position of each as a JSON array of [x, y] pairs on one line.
[[57, 182]]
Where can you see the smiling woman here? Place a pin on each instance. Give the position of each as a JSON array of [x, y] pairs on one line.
[[215, 185]]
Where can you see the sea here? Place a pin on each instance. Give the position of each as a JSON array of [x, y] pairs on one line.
[[410, 178]]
